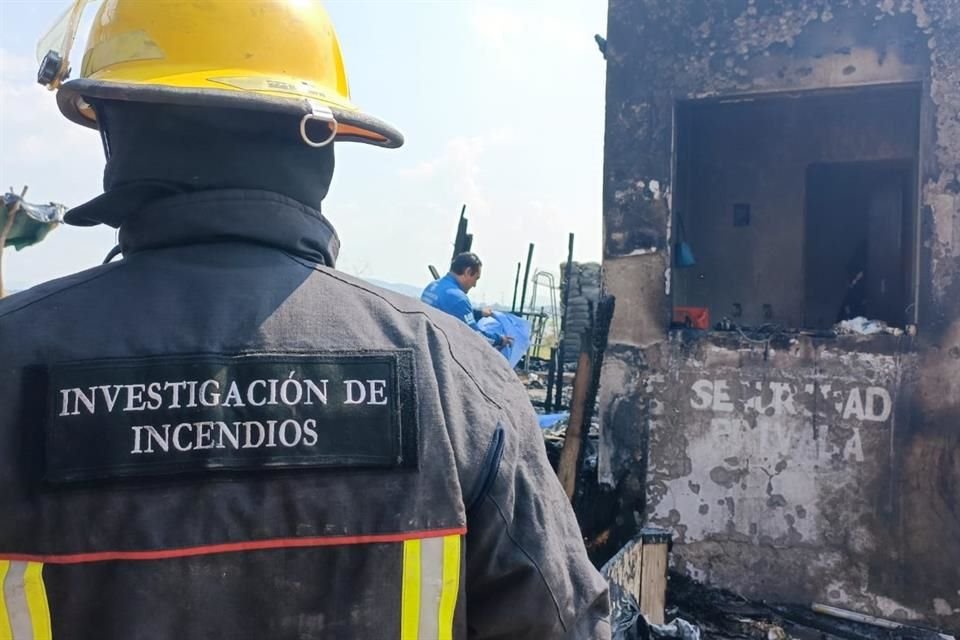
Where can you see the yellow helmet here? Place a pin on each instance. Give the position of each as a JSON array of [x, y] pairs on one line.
[[271, 55]]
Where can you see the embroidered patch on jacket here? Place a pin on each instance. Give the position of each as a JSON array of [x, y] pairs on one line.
[[203, 413]]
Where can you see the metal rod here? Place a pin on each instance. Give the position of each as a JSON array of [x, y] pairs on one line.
[[855, 617], [526, 279], [516, 285], [568, 274], [541, 327], [537, 324]]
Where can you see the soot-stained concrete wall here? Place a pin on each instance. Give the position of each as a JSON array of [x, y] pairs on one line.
[[803, 469]]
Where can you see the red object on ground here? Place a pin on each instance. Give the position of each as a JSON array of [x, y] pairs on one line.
[[693, 317]]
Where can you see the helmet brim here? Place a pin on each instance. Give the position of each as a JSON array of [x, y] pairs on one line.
[[352, 125]]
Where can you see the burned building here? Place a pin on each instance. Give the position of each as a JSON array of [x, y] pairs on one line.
[[773, 167]]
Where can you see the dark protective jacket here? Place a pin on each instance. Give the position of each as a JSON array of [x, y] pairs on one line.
[[220, 437]]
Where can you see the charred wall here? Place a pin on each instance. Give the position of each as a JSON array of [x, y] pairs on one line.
[[758, 155], [771, 461]]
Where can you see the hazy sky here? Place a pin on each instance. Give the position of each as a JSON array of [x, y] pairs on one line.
[[501, 103]]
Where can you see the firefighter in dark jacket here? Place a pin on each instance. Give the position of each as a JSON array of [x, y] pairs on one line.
[[221, 436]]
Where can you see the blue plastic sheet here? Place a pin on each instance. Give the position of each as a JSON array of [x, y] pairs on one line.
[[547, 420], [510, 325]]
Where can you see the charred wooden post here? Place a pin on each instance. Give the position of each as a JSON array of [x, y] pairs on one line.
[[568, 271], [526, 279], [551, 375], [570, 456], [516, 286]]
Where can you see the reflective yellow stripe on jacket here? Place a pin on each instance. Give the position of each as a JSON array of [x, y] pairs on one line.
[[24, 612], [431, 580]]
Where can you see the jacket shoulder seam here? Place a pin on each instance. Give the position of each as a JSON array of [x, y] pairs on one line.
[[75, 281], [533, 562]]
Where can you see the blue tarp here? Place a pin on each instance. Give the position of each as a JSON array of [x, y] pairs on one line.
[[547, 420], [510, 325]]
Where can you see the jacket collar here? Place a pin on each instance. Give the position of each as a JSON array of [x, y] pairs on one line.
[[231, 215], [451, 278]]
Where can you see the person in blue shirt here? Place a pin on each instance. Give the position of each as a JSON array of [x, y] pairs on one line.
[[449, 294]]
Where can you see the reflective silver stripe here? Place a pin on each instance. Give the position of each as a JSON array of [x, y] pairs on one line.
[[431, 583], [15, 596], [431, 586]]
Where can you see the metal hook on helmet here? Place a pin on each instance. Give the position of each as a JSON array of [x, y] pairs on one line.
[[319, 113]]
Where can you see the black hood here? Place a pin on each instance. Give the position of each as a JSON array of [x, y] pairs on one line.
[[156, 151]]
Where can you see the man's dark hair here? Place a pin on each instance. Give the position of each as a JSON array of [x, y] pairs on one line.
[[465, 261]]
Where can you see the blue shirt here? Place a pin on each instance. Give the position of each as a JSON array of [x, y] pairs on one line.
[[445, 294]]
